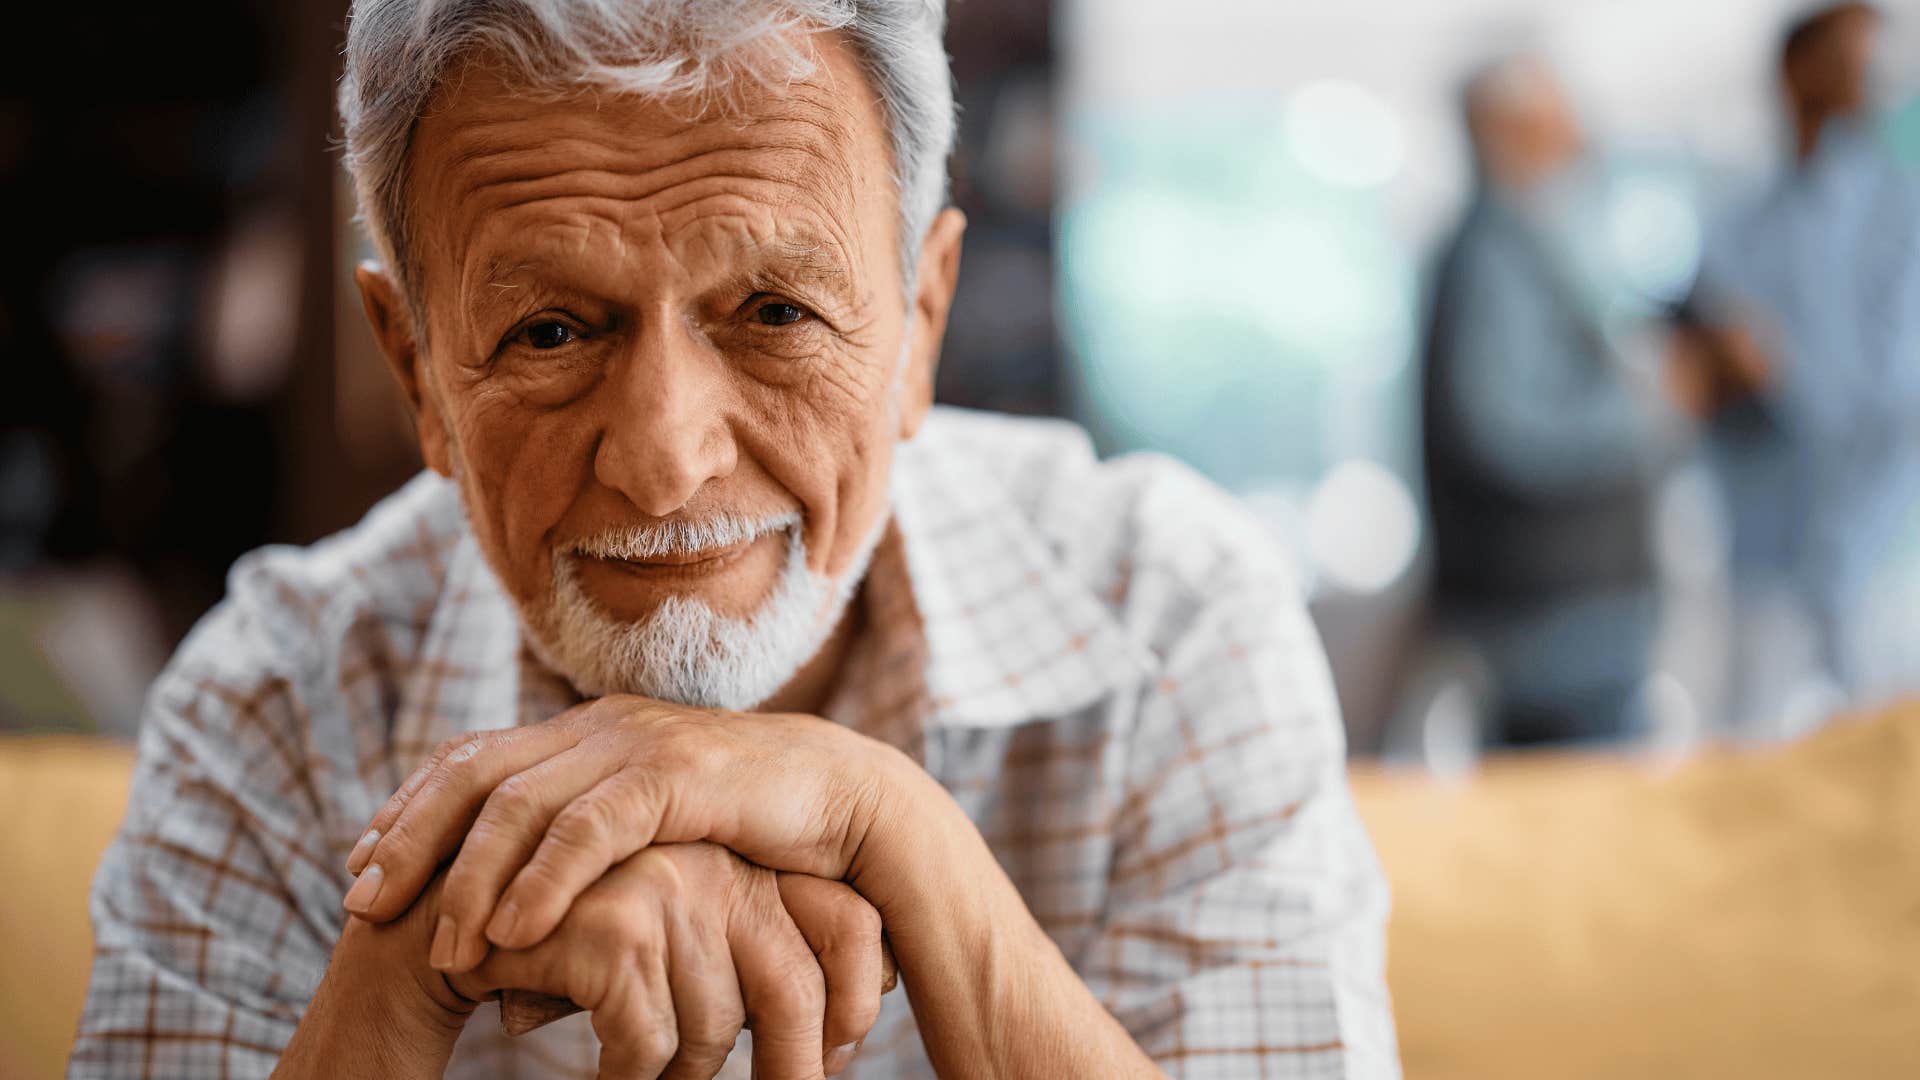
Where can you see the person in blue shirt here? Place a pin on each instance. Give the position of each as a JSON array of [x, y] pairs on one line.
[[1820, 464]]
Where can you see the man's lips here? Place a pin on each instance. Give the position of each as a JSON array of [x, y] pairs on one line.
[[685, 562]]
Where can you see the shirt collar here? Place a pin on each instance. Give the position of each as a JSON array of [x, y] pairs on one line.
[[1011, 634]]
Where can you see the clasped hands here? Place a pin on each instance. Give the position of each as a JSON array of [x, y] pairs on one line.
[[679, 874]]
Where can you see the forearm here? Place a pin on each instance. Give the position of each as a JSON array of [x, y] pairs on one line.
[[991, 993], [369, 1020]]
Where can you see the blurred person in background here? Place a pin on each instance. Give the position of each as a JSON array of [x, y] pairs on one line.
[[1820, 465], [1550, 418]]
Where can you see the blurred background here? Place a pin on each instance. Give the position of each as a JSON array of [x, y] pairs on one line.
[[1573, 349], [1221, 231]]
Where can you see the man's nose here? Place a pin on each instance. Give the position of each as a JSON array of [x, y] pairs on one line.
[[667, 433]]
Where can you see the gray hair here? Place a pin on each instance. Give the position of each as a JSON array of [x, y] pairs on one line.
[[399, 51]]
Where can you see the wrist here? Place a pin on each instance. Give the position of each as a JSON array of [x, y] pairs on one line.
[[927, 870], [986, 983], [974, 962], [911, 822], [375, 1014]]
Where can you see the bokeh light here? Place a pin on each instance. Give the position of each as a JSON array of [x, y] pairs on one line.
[[1363, 528]]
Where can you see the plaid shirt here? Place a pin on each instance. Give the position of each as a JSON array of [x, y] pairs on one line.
[[1106, 664]]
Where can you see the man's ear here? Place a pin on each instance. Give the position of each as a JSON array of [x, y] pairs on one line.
[[938, 273], [393, 331]]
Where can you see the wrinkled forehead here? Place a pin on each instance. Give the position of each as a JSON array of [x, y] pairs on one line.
[[802, 164]]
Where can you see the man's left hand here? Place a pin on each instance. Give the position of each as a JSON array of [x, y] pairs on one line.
[[537, 814]]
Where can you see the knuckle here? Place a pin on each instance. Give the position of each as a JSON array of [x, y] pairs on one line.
[[666, 875], [658, 1044], [709, 1041], [402, 843], [728, 1022], [582, 825], [796, 987], [687, 745], [443, 780], [849, 1021], [463, 763], [491, 840], [513, 799], [635, 1025], [459, 748], [856, 921], [644, 949], [641, 1042]]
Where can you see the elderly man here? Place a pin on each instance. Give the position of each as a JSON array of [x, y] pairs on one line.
[[1549, 421], [706, 652]]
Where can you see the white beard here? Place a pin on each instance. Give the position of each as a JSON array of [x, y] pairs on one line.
[[684, 651]]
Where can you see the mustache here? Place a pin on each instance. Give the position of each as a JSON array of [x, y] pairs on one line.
[[653, 540]]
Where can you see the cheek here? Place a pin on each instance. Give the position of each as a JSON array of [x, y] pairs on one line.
[[861, 491], [871, 501], [828, 439], [521, 469]]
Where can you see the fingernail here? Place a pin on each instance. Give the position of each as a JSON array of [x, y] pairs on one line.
[[366, 890], [441, 954], [501, 925], [839, 1058], [362, 851]]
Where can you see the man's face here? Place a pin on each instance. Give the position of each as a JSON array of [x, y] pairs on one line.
[[1834, 73], [640, 320], [1533, 133], [1853, 48]]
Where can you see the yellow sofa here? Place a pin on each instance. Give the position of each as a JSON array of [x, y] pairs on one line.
[[61, 798], [1752, 915], [1742, 914]]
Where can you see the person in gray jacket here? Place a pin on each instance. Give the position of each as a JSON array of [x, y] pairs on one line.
[[1549, 421]]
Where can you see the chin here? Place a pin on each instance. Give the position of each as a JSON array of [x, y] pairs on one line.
[[686, 652]]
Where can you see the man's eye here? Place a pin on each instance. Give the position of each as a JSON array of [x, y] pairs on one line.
[[776, 313], [548, 335]]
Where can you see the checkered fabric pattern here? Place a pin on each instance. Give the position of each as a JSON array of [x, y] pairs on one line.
[[1105, 663]]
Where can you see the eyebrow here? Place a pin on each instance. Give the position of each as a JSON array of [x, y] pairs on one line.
[[799, 256], [501, 265], [809, 256]]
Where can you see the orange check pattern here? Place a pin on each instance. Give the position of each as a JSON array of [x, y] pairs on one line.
[[1106, 664]]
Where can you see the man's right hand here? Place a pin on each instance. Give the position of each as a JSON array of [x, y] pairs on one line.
[[673, 952]]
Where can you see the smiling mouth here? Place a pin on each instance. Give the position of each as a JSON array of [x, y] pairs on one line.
[[706, 560]]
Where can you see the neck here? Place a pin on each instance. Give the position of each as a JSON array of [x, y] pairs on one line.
[[1807, 125], [1810, 124]]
